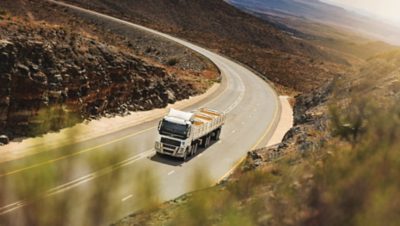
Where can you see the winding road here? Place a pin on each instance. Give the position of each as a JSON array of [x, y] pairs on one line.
[[252, 108]]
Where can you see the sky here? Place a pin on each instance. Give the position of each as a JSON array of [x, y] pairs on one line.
[[388, 10]]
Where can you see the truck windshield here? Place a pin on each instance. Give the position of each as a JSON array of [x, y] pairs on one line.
[[173, 129]]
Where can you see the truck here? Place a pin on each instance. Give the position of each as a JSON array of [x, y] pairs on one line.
[[180, 133]]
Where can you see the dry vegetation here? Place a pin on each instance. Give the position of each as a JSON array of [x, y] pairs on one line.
[[81, 66], [293, 64], [338, 165]]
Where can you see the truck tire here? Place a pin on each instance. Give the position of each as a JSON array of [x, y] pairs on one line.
[[187, 153], [208, 141], [184, 158], [203, 142], [217, 133], [191, 150], [194, 149]]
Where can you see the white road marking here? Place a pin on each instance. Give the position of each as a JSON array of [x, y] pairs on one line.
[[171, 172], [241, 89], [126, 198]]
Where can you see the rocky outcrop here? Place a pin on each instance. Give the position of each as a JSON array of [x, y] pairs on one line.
[[308, 133], [51, 78]]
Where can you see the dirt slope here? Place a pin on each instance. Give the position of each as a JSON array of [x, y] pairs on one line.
[[56, 71], [283, 59], [338, 165]]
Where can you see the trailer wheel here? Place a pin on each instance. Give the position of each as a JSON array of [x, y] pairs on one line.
[[203, 142], [217, 133], [208, 141]]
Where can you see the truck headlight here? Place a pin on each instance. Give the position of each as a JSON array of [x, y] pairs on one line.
[[157, 145], [181, 150]]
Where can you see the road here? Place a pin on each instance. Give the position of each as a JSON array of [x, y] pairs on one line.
[[123, 157]]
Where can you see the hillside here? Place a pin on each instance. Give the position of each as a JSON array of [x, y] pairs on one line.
[[316, 175], [338, 165], [54, 73], [287, 61], [318, 11], [331, 38]]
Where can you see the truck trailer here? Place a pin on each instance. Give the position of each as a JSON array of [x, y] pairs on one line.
[[180, 133]]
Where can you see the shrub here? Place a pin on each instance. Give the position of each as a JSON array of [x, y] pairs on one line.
[[172, 61]]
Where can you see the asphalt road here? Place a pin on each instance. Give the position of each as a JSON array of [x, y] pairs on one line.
[[111, 166]]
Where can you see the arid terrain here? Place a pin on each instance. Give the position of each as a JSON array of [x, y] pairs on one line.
[[287, 61], [56, 71], [337, 165], [330, 15], [340, 114]]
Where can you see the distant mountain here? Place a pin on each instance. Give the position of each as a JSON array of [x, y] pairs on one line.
[[318, 11]]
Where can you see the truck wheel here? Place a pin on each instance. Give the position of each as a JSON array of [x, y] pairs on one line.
[[184, 158], [217, 134], [191, 150], [203, 142], [208, 140], [194, 149]]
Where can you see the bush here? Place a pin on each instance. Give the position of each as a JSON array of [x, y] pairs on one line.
[[172, 61]]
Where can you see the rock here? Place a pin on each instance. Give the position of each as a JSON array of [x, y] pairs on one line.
[[171, 97], [48, 69], [24, 70], [254, 160], [4, 139]]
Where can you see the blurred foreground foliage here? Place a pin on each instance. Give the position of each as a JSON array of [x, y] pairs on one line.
[[72, 184], [352, 180]]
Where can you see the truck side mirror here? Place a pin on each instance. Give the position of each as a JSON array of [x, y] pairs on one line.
[[159, 125]]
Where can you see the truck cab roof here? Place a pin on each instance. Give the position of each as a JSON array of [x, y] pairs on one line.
[[185, 116], [176, 120]]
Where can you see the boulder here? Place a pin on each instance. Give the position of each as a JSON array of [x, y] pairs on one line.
[[4, 139]]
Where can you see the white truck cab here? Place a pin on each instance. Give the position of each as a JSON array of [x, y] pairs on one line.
[[181, 133]]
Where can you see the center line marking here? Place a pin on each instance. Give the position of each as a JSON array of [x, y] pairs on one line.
[[170, 173], [126, 198]]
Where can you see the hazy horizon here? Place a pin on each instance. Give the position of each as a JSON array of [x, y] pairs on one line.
[[386, 10]]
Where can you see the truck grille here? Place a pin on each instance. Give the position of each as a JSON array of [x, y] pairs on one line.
[[170, 142]]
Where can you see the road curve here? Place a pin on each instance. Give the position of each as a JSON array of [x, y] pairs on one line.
[[252, 109]]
